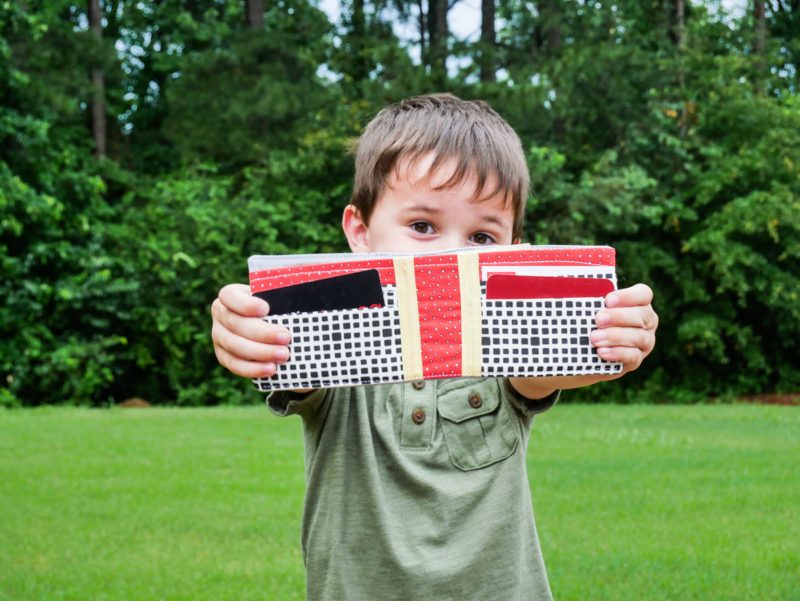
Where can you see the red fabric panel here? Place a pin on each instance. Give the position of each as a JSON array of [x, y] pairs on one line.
[[506, 287], [300, 274], [439, 301], [592, 255]]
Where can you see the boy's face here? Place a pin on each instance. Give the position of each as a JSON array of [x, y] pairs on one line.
[[413, 216]]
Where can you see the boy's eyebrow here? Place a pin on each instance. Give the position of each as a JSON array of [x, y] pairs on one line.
[[493, 219], [425, 208]]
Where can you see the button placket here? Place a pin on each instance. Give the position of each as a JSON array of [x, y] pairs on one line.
[[416, 426]]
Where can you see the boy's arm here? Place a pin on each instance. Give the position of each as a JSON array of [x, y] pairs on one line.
[[243, 342], [626, 332]]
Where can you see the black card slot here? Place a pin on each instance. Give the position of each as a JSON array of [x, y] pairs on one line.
[[361, 289]]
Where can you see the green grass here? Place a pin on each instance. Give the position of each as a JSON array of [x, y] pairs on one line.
[[632, 502], [675, 502]]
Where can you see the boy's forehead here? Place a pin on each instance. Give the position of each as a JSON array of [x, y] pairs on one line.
[[419, 169], [420, 172], [490, 204]]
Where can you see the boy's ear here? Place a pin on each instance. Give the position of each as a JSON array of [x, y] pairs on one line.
[[355, 230]]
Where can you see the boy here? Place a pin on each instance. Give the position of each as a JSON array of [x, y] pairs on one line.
[[420, 490]]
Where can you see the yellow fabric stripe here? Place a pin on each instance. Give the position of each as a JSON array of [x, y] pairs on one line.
[[409, 317], [470, 284]]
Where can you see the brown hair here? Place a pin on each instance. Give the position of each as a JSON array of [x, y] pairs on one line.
[[480, 141]]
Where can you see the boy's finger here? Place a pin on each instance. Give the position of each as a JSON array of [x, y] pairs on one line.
[[259, 331], [241, 367], [627, 317], [247, 347], [635, 338], [252, 328], [631, 358], [637, 295], [237, 299]]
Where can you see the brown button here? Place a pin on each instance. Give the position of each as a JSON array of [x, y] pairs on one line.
[[418, 416], [418, 384], [475, 401]]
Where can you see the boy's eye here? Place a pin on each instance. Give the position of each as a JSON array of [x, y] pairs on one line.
[[422, 227], [482, 238]]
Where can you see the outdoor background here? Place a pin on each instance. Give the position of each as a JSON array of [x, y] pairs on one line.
[[148, 147]]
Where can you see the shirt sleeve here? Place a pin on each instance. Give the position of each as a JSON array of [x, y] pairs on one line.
[[288, 402], [530, 406]]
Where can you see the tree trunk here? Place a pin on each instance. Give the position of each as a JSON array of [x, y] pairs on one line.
[[358, 43], [760, 44], [422, 48], [551, 22], [487, 65], [679, 23], [760, 20], [679, 36], [437, 38], [359, 19], [254, 10], [553, 32], [98, 104]]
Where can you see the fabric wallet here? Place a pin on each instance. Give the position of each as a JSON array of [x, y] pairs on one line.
[[376, 318]]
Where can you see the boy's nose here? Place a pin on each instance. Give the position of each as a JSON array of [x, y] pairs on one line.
[[451, 241]]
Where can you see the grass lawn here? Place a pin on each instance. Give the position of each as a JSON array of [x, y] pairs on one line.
[[632, 502]]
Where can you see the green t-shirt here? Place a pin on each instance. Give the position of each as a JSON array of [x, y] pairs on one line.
[[418, 491]]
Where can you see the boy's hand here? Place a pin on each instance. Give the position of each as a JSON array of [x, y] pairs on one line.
[[626, 332], [244, 343], [626, 327]]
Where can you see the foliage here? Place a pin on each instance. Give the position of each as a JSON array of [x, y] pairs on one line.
[[270, 92], [57, 341], [675, 141], [195, 230]]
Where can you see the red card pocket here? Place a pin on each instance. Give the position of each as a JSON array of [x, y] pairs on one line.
[[508, 287]]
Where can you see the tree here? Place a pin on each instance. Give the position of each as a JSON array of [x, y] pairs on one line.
[[98, 105], [658, 127], [488, 67], [272, 91], [255, 14], [61, 285], [434, 35], [437, 41], [760, 43], [784, 26]]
